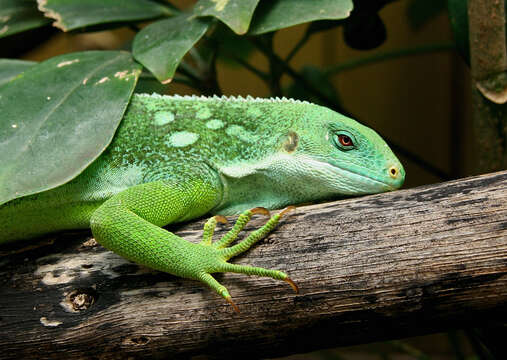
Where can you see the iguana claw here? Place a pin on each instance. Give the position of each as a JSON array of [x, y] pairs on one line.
[[286, 210], [292, 284], [229, 300], [260, 210]]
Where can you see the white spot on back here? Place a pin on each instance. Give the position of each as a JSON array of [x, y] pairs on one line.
[[182, 138], [215, 124], [241, 133], [203, 114], [163, 118]]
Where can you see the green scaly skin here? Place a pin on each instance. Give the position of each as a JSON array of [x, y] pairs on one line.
[[177, 158]]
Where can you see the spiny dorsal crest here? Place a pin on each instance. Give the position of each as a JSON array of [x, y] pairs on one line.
[[226, 98]]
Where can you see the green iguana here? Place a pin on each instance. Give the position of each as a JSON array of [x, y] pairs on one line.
[[176, 158]]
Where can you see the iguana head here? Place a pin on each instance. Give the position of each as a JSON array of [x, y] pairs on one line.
[[335, 155], [289, 152]]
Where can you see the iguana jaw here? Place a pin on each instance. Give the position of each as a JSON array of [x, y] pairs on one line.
[[379, 185], [305, 178], [338, 180]]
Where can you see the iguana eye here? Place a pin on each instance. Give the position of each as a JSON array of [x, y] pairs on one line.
[[343, 140]]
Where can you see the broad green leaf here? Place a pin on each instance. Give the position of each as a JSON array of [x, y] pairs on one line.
[[278, 14], [74, 14], [236, 14], [161, 46], [58, 116], [9, 68], [19, 15]]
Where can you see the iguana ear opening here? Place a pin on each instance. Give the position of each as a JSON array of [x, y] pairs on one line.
[[290, 142]]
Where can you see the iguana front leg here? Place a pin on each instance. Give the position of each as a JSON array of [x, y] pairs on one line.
[[130, 223]]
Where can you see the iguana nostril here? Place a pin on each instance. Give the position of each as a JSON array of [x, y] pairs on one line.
[[393, 172]]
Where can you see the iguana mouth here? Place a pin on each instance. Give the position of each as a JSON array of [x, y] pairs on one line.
[[389, 186], [346, 181]]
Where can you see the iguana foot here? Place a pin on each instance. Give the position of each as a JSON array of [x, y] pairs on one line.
[[222, 253]]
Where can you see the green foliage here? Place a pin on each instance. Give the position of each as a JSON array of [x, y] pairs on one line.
[[74, 14], [236, 14], [58, 116], [279, 14], [9, 68], [19, 15], [161, 45]]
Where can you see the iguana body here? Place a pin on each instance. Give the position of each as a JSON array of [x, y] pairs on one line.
[[177, 158]]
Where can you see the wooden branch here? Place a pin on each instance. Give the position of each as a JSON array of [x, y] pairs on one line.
[[370, 268]]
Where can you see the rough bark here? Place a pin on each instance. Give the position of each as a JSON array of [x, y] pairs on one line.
[[488, 60], [370, 268]]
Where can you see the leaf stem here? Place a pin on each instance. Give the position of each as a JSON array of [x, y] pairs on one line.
[[298, 46], [389, 55], [261, 74], [189, 71], [269, 53], [183, 80], [211, 75], [199, 61], [276, 64]]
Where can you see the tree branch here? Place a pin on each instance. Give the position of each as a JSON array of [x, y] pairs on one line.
[[370, 268]]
